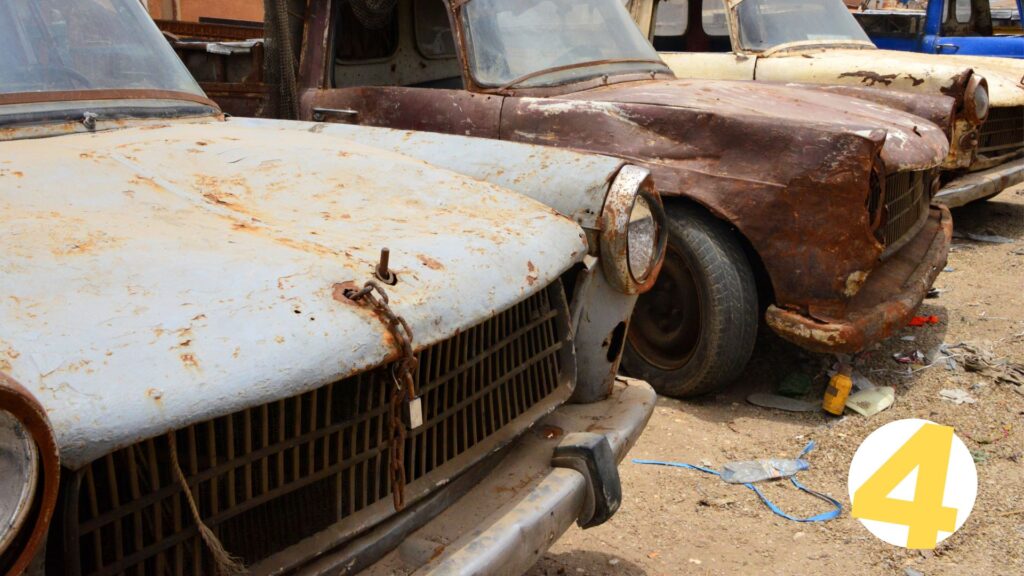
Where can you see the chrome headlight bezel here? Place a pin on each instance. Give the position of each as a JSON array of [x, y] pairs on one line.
[[19, 459], [26, 530], [977, 102], [630, 184]]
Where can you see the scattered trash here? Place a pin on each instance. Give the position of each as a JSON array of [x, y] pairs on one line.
[[947, 355], [987, 238], [823, 517], [613, 561], [957, 396], [765, 400], [949, 269], [915, 357], [983, 362], [757, 470], [838, 391], [911, 572], [909, 338], [934, 293], [860, 381], [870, 402], [918, 321], [796, 385]]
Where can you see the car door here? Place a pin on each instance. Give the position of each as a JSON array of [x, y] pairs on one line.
[[961, 27], [403, 73], [895, 29], [692, 37]]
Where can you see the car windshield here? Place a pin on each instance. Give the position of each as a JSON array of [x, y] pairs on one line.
[[85, 45], [530, 43], [766, 24]]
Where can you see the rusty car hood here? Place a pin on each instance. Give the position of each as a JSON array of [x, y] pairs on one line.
[[911, 143], [907, 71], [163, 275]]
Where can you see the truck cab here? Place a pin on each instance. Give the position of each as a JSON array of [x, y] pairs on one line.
[[962, 27]]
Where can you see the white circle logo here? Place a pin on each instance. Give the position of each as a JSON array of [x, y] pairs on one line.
[[913, 483]]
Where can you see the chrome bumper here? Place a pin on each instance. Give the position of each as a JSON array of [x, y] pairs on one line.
[[510, 517], [979, 185]]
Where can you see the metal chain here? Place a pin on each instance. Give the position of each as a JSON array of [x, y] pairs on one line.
[[402, 374]]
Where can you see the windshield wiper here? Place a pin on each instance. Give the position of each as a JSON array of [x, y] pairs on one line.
[[586, 64]]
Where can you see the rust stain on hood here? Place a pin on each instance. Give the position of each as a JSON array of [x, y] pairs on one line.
[[213, 280], [911, 142], [905, 71]]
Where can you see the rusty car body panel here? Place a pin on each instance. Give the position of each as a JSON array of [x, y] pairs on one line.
[[704, 142], [832, 63]]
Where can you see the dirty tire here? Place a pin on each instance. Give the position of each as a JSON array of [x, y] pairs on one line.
[[695, 331]]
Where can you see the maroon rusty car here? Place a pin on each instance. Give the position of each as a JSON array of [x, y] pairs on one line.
[[809, 207]]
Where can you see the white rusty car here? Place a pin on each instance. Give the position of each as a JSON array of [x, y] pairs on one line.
[[820, 42], [208, 363]]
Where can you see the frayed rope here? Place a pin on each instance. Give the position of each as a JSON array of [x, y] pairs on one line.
[[227, 563]]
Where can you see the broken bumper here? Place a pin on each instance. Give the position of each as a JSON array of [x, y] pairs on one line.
[[501, 517], [884, 304], [979, 185]]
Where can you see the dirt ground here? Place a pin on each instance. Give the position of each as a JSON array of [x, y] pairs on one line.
[[675, 521]]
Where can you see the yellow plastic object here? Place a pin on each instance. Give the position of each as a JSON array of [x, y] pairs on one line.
[[837, 392]]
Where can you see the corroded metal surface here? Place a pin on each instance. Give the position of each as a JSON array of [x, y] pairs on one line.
[[834, 63], [574, 184], [199, 260], [979, 185], [87, 95], [884, 304], [707, 140]]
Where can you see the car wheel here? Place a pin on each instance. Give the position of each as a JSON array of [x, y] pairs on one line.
[[695, 330]]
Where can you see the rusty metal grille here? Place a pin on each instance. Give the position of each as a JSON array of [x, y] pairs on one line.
[[904, 207], [268, 476], [1003, 132]]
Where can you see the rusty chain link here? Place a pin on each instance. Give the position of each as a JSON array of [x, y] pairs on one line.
[[402, 374]]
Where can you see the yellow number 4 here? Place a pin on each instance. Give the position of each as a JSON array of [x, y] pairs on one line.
[[927, 450]]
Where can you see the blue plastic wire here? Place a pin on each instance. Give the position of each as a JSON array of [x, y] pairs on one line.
[[823, 517]]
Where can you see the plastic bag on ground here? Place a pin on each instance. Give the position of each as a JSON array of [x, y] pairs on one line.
[[758, 470]]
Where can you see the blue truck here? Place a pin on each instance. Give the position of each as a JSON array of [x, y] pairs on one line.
[[963, 27]]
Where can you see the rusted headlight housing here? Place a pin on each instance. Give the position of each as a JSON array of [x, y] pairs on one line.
[[632, 231], [29, 476], [976, 103]]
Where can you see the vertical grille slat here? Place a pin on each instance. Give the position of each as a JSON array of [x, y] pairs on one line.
[[268, 476]]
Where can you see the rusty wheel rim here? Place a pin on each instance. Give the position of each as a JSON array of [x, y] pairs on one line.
[[666, 326]]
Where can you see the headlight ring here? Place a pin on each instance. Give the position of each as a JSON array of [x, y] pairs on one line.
[[29, 495], [633, 237], [976, 101]]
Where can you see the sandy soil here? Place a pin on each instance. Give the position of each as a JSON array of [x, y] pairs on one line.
[[676, 521]]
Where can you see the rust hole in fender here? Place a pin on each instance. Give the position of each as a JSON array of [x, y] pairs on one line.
[[615, 341]]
